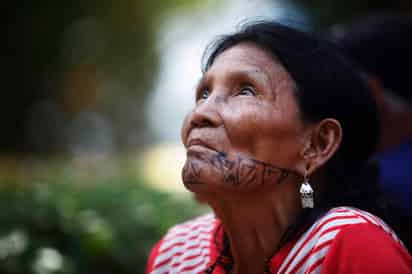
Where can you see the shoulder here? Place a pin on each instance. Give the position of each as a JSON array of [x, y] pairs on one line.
[[341, 218], [185, 246], [318, 243], [366, 249]]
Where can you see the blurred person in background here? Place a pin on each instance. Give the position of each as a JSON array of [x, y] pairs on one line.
[[278, 145], [382, 45]]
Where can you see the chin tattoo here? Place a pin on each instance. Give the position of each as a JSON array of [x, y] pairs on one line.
[[233, 170]]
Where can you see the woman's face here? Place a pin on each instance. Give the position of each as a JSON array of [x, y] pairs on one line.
[[245, 124]]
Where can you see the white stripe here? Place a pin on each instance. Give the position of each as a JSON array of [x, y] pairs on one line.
[[190, 248], [204, 255], [312, 242], [193, 233], [191, 262], [376, 219], [317, 224], [321, 253], [198, 244], [160, 270], [340, 222], [198, 269], [184, 239], [201, 241], [370, 217], [297, 246], [359, 217], [317, 270], [328, 236], [185, 229], [381, 224], [367, 217], [199, 251], [323, 239], [199, 230]]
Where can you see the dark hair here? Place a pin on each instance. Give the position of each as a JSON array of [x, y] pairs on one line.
[[382, 45], [328, 86]]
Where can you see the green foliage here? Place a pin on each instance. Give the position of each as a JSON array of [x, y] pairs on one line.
[[98, 228]]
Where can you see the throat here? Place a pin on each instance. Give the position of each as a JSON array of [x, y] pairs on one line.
[[226, 261], [252, 253], [251, 235]]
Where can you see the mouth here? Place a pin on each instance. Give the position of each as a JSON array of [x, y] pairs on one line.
[[200, 144]]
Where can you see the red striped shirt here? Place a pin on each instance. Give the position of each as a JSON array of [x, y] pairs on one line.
[[190, 248]]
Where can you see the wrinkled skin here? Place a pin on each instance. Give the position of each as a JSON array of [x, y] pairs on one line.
[[245, 133]]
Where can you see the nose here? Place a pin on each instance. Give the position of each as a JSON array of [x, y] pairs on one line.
[[206, 114]]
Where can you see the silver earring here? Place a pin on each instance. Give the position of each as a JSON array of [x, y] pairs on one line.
[[306, 193]]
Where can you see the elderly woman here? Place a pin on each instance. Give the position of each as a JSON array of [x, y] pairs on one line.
[[278, 145]]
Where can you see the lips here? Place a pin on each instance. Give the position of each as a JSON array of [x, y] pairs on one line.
[[199, 142]]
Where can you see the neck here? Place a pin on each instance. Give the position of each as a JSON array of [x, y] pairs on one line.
[[254, 225]]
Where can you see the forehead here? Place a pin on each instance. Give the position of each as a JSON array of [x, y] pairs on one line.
[[251, 59], [249, 53]]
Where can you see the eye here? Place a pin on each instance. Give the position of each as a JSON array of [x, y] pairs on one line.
[[203, 95], [247, 91]]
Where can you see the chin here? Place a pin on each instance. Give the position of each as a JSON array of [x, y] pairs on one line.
[[199, 189], [193, 186]]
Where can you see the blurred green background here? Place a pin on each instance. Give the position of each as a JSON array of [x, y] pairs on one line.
[[93, 95]]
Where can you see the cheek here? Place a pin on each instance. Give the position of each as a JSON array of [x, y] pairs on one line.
[[243, 121], [264, 133], [247, 124]]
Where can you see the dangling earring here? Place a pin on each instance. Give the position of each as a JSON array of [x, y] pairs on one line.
[[306, 193]]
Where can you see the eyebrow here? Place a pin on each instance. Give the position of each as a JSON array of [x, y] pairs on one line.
[[200, 81], [254, 74]]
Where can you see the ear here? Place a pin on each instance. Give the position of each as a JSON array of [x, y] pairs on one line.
[[324, 139]]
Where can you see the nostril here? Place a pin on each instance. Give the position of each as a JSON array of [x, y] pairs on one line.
[[203, 122]]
